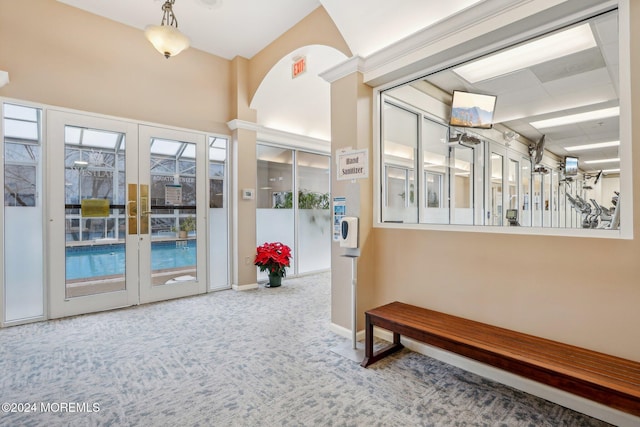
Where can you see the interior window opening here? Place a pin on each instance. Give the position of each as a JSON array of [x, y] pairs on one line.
[[527, 136]]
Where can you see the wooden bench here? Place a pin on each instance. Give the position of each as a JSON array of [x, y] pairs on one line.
[[606, 379]]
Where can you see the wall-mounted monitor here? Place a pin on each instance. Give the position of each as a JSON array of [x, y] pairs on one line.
[[473, 110], [570, 166]]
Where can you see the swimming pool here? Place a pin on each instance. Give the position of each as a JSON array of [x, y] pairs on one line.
[[92, 262]]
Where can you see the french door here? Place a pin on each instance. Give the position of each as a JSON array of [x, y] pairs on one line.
[[127, 213]]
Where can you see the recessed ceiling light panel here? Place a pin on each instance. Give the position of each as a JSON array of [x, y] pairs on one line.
[[593, 162], [577, 118], [593, 146], [557, 45]]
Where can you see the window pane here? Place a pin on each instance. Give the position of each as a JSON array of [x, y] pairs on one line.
[[400, 145], [21, 113], [21, 153], [314, 216], [23, 275], [21, 130], [218, 223], [525, 196], [19, 185], [160, 165], [164, 147], [275, 213], [513, 184], [275, 178], [546, 200], [523, 173], [462, 181], [435, 157], [495, 176]]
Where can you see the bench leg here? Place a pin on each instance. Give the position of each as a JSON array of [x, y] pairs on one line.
[[369, 355]]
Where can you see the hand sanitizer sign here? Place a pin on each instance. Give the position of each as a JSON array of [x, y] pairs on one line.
[[353, 164]]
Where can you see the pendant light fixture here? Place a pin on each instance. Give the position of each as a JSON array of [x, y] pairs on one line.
[[165, 37]]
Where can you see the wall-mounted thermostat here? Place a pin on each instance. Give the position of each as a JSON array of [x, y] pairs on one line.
[[247, 193]]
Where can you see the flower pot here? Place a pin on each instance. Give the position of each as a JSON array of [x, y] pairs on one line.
[[182, 234], [275, 280]]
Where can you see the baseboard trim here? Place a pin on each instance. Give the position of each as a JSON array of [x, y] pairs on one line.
[[244, 287], [344, 332], [563, 398]]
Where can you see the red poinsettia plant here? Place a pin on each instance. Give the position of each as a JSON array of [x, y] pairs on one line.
[[273, 257]]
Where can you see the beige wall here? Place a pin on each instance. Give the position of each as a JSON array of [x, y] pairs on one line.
[[577, 290], [62, 56], [351, 126], [244, 161], [317, 28], [582, 291]]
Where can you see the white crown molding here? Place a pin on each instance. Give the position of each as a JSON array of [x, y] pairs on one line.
[[447, 28], [265, 134], [385, 65], [348, 67]]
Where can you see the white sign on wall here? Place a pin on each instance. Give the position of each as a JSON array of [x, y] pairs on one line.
[[353, 164]]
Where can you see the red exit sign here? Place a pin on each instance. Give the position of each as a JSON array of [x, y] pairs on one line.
[[299, 67]]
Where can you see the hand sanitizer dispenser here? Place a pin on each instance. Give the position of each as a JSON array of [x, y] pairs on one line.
[[349, 232]]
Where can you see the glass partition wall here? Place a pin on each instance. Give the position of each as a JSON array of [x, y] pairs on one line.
[[125, 213], [314, 214], [23, 213], [218, 214], [471, 179], [293, 206]]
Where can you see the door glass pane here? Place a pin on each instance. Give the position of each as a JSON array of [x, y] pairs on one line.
[[560, 199], [94, 189], [274, 213], [546, 200], [218, 208], [314, 215], [396, 184], [23, 233], [537, 200], [495, 213], [172, 202], [513, 184]]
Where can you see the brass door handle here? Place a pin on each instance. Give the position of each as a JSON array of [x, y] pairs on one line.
[[132, 211]]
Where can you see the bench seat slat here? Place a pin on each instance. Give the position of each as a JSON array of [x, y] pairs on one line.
[[608, 379], [532, 347]]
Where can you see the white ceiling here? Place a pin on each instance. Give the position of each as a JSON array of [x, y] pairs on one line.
[[228, 28], [584, 81]]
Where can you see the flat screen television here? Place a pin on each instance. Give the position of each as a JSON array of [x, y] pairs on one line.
[[570, 166], [472, 110]]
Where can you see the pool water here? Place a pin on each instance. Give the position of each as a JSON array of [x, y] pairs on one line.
[[92, 262]]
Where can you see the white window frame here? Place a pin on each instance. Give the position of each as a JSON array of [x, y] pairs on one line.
[[626, 177]]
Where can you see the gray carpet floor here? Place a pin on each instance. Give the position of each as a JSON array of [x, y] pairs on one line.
[[254, 358]]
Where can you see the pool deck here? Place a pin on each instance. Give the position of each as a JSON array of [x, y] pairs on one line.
[[109, 241], [79, 288]]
